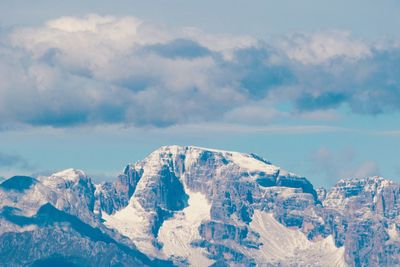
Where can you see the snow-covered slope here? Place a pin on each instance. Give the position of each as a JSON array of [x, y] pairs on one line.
[[177, 234], [133, 222], [285, 246]]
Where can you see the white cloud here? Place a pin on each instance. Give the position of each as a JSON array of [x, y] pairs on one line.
[[109, 70], [323, 46], [226, 44], [87, 43], [83, 65]]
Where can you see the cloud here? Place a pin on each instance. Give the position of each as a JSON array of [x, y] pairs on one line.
[[368, 86], [13, 161], [323, 47], [111, 70], [333, 165], [179, 48], [367, 168], [97, 70], [324, 101]]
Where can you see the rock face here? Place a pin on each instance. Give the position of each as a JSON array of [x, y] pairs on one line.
[[200, 207], [370, 211]]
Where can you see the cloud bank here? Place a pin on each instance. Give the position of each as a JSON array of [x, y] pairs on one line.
[[107, 70]]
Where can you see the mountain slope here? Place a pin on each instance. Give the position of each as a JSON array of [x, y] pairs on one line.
[[201, 207]]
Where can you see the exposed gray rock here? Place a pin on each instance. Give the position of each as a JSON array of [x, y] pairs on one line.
[[321, 193], [365, 210], [111, 197]]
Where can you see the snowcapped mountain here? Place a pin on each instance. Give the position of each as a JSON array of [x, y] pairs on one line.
[[200, 207]]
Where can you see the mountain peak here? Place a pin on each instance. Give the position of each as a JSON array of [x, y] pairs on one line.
[[64, 178], [249, 162], [203, 206], [70, 174]]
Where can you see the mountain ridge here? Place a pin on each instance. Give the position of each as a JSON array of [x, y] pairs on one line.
[[198, 206]]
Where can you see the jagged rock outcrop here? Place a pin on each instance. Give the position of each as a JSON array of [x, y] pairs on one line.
[[368, 210], [111, 197]]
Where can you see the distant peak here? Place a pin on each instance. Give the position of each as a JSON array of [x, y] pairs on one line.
[[70, 174], [366, 180]]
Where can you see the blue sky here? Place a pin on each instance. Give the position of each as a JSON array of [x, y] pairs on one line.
[[313, 86]]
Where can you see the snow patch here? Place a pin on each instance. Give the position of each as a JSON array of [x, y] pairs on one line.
[[177, 233], [244, 161], [70, 174], [248, 162], [133, 222], [57, 180], [393, 233], [282, 245]]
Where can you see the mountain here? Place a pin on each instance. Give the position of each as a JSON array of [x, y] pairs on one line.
[[200, 207]]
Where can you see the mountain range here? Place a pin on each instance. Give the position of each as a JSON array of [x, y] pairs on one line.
[[192, 206]]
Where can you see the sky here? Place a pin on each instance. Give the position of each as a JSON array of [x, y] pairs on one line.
[[312, 86]]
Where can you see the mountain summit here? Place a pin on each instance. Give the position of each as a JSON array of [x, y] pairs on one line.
[[200, 207]]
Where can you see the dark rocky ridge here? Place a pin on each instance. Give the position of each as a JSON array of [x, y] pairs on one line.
[[18, 183]]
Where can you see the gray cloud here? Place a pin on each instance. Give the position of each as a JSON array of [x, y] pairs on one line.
[[106, 70], [11, 161], [369, 85], [334, 165], [179, 48], [326, 100]]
